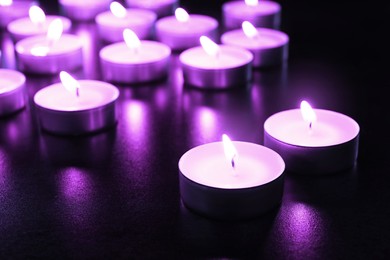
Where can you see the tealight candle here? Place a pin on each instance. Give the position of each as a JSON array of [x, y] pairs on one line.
[[36, 24], [49, 54], [12, 91], [216, 66], [231, 180], [12, 10], [75, 107], [313, 141], [182, 31], [269, 47], [111, 24], [160, 7], [259, 13], [83, 10], [134, 61]]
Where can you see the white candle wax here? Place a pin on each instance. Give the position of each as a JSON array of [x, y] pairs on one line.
[[269, 47], [183, 35], [160, 7], [64, 54], [140, 21], [24, 27], [12, 91], [264, 14], [83, 10], [16, 10]]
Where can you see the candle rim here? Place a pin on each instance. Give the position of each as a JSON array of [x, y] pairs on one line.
[[13, 26], [254, 10], [20, 80], [131, 12], [194, 19]]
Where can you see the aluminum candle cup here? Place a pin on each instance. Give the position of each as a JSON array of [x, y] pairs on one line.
[[232, 67], [183, 35], [264, 14], [123, 65], [331, 145], [160, 7], [62, 112], [64, 54], [12, 91], [211, 187], [15, 10], [141, 21], [269, 47], [83, 10], [24, 27]]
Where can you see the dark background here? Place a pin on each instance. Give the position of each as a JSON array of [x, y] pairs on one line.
[[115, 194]]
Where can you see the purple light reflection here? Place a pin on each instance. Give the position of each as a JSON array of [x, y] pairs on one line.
[[205, 124], [135, 115], [7, 51]]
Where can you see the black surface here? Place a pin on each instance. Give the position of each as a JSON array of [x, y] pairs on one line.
[[116, 194]]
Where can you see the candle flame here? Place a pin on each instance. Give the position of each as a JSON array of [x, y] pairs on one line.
[[230, 150], [54, 31], [308, 113], [182, 15], [118, 10], [210, 47], [5, 2], [70, 83], [37, 15], [251, 2], [249, 30], [131, 39]]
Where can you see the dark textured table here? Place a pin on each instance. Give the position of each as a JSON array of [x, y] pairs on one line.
[[116, 195]]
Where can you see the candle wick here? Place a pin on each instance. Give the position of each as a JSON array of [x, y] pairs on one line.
[[77, 92], [310, 125]]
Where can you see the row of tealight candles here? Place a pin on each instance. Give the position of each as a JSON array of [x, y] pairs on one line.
[[223, 179]]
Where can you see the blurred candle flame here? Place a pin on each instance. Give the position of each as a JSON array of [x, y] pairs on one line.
[[5, 2], [70, 83], [131, 39], [55, 30], [210, 47], [118, 10], [182, 15], [37, 15], [251, 2], [249, 30], [308, 113], [230, 150]]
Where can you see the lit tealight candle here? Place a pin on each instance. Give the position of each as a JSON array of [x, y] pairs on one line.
[[259, 13], [160, 7], [216, 66], [36, 24], [51, 53], [313, 141], [269, 47], [12, 10], [112, 23], [12, 91], [231, 180], [83, 10], [182, 31], [75, 107], [134, 61]]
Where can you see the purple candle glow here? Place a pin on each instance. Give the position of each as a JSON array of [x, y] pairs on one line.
[[112, 23], [36, 24], [231, 180], [12, 91], [259, 13], [76, 107], [134, 61], [51, 53], [12, 10], [160, 7], [182, 31], [83, 10], [216, 66], [269, 47], [313, 141]]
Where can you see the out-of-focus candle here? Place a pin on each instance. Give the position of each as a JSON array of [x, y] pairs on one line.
[[36, 24], [12, 10], [231, 180], [51, 53], [259, 13], [83, 10], [160, 7], [134, 61], [269, 47], [313, 141], [75, 107], [182, 31], [216, 66], [12, 91], [112, 23]]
